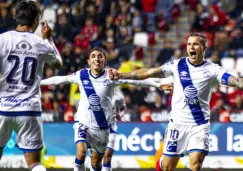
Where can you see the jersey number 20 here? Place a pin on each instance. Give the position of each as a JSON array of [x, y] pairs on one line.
[[28, 70]]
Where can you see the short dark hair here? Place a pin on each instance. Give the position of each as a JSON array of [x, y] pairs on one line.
[[98, 49], [27, 12], [203, 38]]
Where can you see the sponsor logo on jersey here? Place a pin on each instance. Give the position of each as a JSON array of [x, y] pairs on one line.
[[191, 93], [94, 100], [85, 82], [23, 45], [171, 146], [206, 74]]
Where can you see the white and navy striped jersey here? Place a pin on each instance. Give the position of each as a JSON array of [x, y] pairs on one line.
[[22, 57], [192, 89], [96, 106]]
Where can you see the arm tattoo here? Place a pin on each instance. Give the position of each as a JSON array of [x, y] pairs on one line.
[[235, 82], [143, 74]]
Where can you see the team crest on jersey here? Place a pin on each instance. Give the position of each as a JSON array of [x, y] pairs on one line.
[[107, 82], [206, 74], [23, 45]]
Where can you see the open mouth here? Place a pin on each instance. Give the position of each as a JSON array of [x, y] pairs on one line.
[[193, 54]]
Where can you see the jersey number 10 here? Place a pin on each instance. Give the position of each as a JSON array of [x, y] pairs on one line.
[[28, 70]]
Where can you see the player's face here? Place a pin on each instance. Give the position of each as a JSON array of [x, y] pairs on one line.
[[96, 61], [195, 50]]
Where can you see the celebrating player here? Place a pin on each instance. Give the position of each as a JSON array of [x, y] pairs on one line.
[[189, 127], [94, 113], [23, 55]]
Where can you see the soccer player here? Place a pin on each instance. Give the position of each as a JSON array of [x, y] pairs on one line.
[[22, 57], [189, 127], [94, 113]]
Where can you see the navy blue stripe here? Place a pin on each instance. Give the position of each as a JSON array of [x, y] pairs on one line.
[[95, 107], [187, 84], [225, 78], [20, 113], [173, 155], [107, 165], [109, 148], [198, 150], [78, 162], [2, 147]]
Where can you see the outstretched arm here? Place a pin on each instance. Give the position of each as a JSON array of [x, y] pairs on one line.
[[138, 74], [235, 82], [146, 83], [55, 80]]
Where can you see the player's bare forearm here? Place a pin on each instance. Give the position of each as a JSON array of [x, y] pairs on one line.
[[143, 74], [235, 82]]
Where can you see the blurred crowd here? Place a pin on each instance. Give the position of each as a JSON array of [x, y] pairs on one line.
[[80, 25]]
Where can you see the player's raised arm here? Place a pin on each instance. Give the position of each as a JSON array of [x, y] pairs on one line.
[[137, 74], [235, 82], [54, 58]]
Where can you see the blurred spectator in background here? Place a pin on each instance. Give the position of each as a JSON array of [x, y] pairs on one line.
[[137, 96], [199, 18], [165, 54], [238, 103], [216, 19], [218, 110], [79, 58], [137, 21], [64, 29], [112, 53], [90, 30], [177, 54], [108, 24], [81, 41], [124, 42], [158, 103], [237, 41], [149, 10], [67, 56], [216, 95], [215, 58], [7, 18]]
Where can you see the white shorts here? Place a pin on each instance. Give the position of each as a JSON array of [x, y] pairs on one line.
[[112, 136], [29, 132], [97, 138], [182, 138]]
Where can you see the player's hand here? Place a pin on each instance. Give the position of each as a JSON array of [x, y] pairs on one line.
[[113, 74], [46, 30], [167, 87]]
